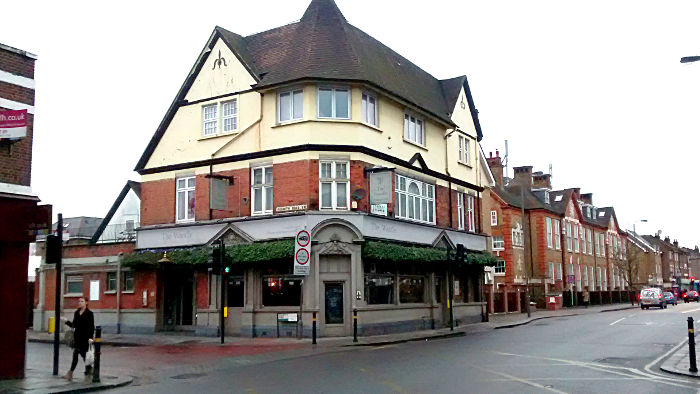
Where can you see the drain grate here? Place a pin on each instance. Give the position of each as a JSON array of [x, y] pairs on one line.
[[188, 376]]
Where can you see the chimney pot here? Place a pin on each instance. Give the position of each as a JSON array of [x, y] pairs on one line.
[[490, 155], [497, 153]]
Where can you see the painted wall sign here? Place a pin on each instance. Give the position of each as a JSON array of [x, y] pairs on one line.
[[380, 190], [380, 209], [13, 124], [302, 253]]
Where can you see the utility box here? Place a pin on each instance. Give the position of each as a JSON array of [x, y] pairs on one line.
[[554, 302], [287, 325]]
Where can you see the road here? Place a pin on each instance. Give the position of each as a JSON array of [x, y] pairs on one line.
[[600, 352]]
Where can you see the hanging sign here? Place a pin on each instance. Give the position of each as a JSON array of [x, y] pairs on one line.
[[13, 124], [380, 187], [302, 253]]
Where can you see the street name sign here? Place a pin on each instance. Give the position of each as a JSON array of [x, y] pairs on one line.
[[302, 253]]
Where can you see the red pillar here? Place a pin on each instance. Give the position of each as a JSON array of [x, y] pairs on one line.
[[14, 258]]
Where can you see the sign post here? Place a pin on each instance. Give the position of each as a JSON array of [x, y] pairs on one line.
[[571, 288], [302, 253]]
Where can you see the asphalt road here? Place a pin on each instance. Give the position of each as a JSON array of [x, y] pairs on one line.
[[600, 352]]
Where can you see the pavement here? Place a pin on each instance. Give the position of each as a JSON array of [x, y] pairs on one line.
[[183, 356]]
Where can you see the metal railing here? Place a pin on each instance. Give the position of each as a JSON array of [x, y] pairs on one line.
[[123, 232]]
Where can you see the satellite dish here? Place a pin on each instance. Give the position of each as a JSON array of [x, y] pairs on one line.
[[358, 194]]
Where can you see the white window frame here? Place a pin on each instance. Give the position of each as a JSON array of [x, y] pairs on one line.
[[518, 236], [551, 273], [500, 268], [365, 105], [419, 136], [599, 277], [557, 234], [74, 279], [582, 231], [494, 217], [291, 94], [569, 244], [334, 181], [186, 190], [233, 116], [460, 211], [589, 235], [578, 277], [586, 280], [426, 193], [333, 90], [576, 241], [263, 188], [558, 271], [550, 243], [212, 120], [463, 149], [498, 242], [471, 220], [591, 277]]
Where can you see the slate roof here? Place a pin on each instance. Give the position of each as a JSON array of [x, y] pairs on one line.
[[79, 227], [322, 45]]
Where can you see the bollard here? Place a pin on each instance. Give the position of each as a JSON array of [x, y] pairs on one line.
[[354, 325], [313, 329], [691, 346], [96, 365]]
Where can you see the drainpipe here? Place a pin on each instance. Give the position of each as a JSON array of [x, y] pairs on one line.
[[119, 291], [447, 172]]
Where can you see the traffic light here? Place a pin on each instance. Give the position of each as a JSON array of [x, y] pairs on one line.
[[214, 263], [53, 249], [459, 256]]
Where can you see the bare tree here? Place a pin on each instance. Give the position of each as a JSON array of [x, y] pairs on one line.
[[630, 267]]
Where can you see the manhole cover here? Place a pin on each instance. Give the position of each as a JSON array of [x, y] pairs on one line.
[[615, 360], [188, 376]]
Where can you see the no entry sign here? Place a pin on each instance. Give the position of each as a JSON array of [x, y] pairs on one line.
[[302, 253]]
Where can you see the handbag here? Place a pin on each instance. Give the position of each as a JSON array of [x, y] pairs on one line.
[[90, 356], [69, 338]]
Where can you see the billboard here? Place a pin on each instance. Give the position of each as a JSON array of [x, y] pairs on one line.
[[13, 124]]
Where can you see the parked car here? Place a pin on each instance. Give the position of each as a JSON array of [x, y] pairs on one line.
[[670, 298], [691, 295], [651, 297]]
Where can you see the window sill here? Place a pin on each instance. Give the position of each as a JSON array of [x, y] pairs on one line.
[[289, 122], [415, 144], [498, 249], [110, 292], [184, 221], [261, 214], [73, 295], [127, 292], [217, 135], [464, 164], [499, 274]]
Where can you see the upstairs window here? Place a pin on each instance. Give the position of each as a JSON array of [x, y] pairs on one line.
[[557, 235], [590, 241], [334, 185], [463, 149], [583, 240], [550, 242], [334, 103], [229, 115], [576, 244], [500, 267], [460, 211], [568, 237], [261, 190], [184, 202], [413, 129], [415, 200], [210, 124], [369, 109], [497, 242], [471, 224], [494, 218], [517, 234], [290, 106]]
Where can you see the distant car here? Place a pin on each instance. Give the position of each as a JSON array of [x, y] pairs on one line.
[[691, 295], [651, 297], [670, 298]]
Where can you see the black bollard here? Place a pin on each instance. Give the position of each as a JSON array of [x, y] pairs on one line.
[[691, 346], [354, 325], [96, 364], [313, 329]]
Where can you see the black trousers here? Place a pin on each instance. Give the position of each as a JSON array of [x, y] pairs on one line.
[[79, 351]]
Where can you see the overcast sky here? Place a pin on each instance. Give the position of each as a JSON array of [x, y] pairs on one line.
[[594, 88]]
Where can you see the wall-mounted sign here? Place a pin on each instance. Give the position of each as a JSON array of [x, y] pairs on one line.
[[302, 253], [380, 190], [379, 209], [291, 208], [219, 194], [13, 124]]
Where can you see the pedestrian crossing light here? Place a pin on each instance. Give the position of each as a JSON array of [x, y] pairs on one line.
[[227, 269]]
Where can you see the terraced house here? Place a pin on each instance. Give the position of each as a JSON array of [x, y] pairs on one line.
[[314, 125]]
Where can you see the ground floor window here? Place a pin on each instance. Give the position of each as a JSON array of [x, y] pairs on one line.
[[111, 281], [128, 281], [235, 289], [280, 290], [379, 289], [74, 285], [411, 289]]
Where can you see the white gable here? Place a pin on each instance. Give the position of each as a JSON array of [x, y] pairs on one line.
[[462, 116]]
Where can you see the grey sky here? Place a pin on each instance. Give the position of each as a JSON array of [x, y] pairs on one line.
[[595, 88]]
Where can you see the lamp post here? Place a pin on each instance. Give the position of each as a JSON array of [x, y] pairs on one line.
[[634, 225], [690, 59]]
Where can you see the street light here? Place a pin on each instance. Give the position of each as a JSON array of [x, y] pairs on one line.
[[634, 225], [690, 59]]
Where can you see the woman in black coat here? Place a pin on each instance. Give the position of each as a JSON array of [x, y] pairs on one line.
[[84, 325]]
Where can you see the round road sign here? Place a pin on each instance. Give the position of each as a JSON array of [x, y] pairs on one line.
[[303, 238], [302, 256]]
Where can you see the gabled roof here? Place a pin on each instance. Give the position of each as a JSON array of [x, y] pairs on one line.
[[130, 185], [640, 242], [324, 46]]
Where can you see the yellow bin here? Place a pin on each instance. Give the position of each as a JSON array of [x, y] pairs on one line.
[[52, 324]]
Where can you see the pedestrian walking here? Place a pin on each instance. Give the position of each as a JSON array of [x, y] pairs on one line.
[[586, 297], [84, 325]]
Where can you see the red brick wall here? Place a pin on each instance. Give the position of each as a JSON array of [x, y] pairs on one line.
[[100, 250], [202, 289], [13, 290], [158, 202], [16, 64]]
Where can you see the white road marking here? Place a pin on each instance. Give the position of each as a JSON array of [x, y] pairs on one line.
[[692, 310], [521, 380], [617, 321]]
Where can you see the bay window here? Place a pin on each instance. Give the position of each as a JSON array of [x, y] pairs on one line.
[[568, 237], [550, 244], [576, 244], [369, 109], [290, 105], [415, 200], [261, 190], [334, 185], [557, 234], [334, 103], [184, 201], [460, 211]]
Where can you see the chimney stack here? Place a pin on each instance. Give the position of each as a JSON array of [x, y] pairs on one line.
[[675, 242], [523, 176], [667, 240], [542, 181], [496, 167], [587, 198]]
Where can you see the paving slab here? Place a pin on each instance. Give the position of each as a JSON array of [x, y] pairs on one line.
[[36, 381]]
